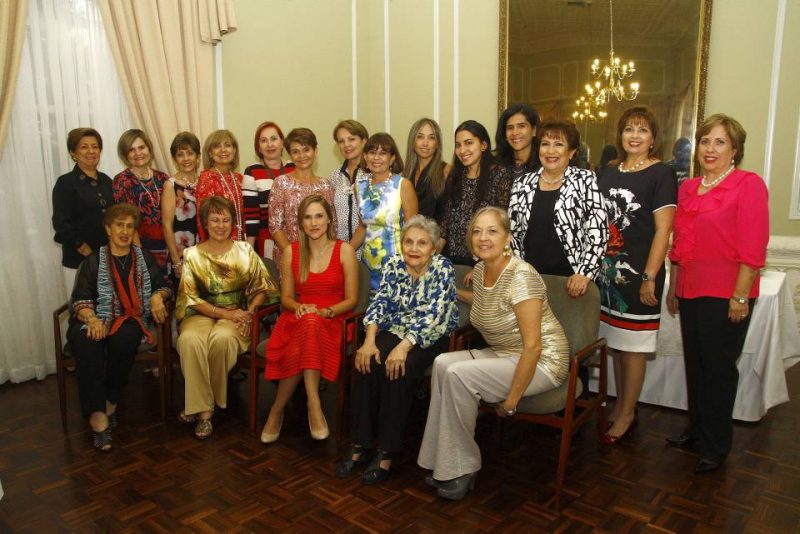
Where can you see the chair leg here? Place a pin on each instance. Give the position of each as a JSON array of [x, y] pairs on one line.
[[253, 391], [62, 391], [563, 459]]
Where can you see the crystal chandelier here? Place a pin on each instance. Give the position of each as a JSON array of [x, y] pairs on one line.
[[588, 111], [608, 78]]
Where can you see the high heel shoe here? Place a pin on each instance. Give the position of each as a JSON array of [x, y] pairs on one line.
[[610, 441], [319, 435], [457, 489], [266, 437]]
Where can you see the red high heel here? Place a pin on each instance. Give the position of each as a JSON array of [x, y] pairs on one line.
[[609, 440]]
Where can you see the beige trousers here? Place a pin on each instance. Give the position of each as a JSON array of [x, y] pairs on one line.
[[208, 349]]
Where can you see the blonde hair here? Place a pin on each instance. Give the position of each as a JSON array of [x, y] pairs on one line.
[[216, 138], [305, 245], [501, 215]]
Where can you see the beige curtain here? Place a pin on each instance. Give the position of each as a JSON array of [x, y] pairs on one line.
[[12, 36], [165, 56]]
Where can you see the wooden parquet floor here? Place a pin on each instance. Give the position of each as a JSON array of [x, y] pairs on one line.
[[160, 479]]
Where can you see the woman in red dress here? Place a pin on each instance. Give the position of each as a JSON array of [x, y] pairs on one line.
[[319, 282]]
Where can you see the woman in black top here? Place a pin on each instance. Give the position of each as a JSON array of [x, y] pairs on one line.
[[80, 199], [515, 140], [425, 168]]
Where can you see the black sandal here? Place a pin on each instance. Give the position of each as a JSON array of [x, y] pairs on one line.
[[112, 421], [102, 440], [375, 474], [347, 466]]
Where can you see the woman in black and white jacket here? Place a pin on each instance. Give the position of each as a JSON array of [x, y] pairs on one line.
[[558, 218]]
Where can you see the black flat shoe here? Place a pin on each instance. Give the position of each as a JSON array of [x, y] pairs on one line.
[[457, 489], [375, 474], [681, 440], [347, 466], [102, 440], [704, 465], [112, 421]]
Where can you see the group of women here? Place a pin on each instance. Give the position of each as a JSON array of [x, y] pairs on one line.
[[522, 210]]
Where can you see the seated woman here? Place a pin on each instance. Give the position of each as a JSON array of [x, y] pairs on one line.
[[319, 282], [119, 289], [223, 282], [408, 322], [527, 354], [558, 216]]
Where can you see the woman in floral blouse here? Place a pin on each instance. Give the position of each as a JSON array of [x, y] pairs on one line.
[[141, 185], [408, 323], [178, 203]]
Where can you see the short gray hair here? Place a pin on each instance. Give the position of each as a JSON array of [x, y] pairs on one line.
[[423, 223]]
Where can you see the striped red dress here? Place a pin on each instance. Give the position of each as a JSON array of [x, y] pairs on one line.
[[310, 342]]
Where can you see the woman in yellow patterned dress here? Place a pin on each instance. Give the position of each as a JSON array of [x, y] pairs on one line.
[[223, 282]]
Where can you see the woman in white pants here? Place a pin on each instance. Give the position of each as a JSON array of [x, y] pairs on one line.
[[527, 354]]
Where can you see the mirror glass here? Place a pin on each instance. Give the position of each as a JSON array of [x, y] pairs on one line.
[[548, 46]]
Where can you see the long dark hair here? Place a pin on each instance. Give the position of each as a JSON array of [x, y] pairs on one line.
[[503, 150], [459, 173]]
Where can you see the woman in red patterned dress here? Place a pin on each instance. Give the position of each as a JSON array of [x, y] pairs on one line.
[[319, 282], [220, 161]]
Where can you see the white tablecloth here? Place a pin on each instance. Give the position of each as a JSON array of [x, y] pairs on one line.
[[772, 346]]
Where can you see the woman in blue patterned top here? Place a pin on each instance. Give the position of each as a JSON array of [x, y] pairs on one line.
[[409, 322]]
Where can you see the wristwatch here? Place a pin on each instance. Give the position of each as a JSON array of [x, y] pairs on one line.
[[740, 300], [647, 278]]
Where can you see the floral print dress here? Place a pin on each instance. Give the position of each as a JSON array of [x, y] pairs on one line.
[[184, 225], [382, 215]]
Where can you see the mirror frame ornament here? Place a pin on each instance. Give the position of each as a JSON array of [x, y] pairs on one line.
[[704, 40]]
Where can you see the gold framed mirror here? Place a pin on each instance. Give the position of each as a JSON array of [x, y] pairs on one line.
[[547, 48]]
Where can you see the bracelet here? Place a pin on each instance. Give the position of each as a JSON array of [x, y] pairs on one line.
[[740, 300], [213, 310]]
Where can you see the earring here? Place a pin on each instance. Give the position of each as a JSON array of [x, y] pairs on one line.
[[507, 251]]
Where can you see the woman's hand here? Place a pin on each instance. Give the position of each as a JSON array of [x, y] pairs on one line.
[[502, 408], [468, 278], [647, 293], [243, 320], [396, 362], [365, 354], [157, 308], [304, 309], [177, 268], [737, 312], [96, 329], [576, 285], [672, 301], [84, 249]]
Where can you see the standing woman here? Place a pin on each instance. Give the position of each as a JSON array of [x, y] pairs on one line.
[[720, 243], [424, 166], [220, 161], [386, 200], [514, 138], [141, 185], [474, 183], [80, 199], [319, 282], [558, 218], [350, 137], [290, 189], [268, 144], [178, 203], [640, 199]]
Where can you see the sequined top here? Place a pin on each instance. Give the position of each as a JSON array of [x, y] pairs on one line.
[[284, 199], [228, 280], [492, 314]]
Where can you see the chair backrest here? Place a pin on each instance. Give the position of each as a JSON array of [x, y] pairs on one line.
[[580, 317], [272, 269], [363, 288], [463, 307]]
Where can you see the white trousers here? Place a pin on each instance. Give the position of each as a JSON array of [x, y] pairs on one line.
[[460, 381]]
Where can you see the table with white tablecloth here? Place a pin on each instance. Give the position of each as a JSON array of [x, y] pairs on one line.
[[772, 346]]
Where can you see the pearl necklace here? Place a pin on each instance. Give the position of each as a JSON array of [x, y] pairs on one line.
[[632, 169], [231, 194], [718, 179], [549, 181]]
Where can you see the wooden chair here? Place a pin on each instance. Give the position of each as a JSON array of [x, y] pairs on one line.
[[562, 407], [352, 321], [66, 360]]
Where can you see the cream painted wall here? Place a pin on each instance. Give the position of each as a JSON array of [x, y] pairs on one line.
[[304, 78], [273, 72]]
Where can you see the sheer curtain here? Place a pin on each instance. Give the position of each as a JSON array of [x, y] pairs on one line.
[[67, 78]]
